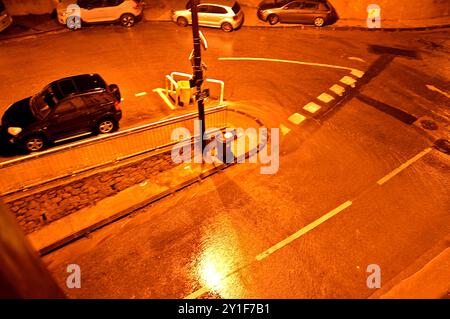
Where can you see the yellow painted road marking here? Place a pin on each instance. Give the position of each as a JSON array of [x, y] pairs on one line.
[[403, 166], [435, 89], [357, 73], [296, 118], [283, 243], [324, 97], [348, 80], [311, 107], [339, 90], [287, 61], [162, 93], [303, 231], [197, 293], [141, 94], [284, 129], [356, 59]]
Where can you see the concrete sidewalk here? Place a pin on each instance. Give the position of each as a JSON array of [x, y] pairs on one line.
[[430, 282], [109, 209]]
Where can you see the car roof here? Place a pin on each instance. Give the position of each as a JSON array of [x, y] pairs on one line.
[[77, 84], [225, 3]]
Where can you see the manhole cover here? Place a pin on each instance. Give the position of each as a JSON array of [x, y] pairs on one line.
[[429, 125], [442, 145]]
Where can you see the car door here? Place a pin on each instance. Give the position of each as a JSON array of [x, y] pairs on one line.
[[203, 14], [112, 10], [290, 12], [69, 118], [98, 105], [93, 11], [308, 12], [216, 15]]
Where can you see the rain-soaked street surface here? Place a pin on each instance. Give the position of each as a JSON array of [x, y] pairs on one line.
[[311, 229]]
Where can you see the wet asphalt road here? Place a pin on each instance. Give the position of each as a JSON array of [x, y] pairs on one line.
[[207, 240]]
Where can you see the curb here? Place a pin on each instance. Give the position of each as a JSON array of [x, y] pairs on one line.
[[299, 26]]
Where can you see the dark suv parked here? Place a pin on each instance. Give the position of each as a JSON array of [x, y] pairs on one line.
[[64, 109]]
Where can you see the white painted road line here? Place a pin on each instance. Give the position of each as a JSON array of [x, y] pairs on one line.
[[287, 61], [348, 80], [296, 118], [284, 129], [303, 231], [339, 90], [324, 97], [311, 107], [356, 59], [141, 94], [435, 89], [357, 73], [197, 293], [282, 243], [403, 166]]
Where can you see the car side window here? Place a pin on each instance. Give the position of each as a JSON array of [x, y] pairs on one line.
[[294, 5], [67, 87], [113, 3], [217, 10], [309, 6], [202, 9], [70, 107]]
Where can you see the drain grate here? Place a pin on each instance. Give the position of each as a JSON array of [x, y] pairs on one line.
[[429, 125], [442, 145]]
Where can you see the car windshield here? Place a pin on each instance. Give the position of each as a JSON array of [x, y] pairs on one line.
[[42, 103], [236, 8]]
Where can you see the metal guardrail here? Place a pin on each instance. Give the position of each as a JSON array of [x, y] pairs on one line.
[[39, 168]]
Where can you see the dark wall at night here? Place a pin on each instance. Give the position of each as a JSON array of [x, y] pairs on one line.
[[347, 9]]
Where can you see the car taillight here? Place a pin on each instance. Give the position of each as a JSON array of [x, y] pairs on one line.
[[117, 105], [235, 17], [136, 4]]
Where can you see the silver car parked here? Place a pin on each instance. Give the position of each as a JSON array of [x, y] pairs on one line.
[[224, 14]]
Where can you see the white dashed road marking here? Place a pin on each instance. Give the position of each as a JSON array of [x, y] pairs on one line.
[[324, 97], [296, 118], [311, 107], [284, 129], [303, 231], [348, 80], [141, 94], [435, 89], [339, 90], [403, 166]]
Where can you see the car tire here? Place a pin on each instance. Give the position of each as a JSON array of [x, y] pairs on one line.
[[34, 143], [127, 20], [106, 125], [319, 22], [273, 19], [182, 22], [227, 27]]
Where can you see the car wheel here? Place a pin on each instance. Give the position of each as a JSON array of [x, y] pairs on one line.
[[182, 21], [128, 20], [273, 19], [318, 22], [34, 143], [106, 126], [227, 27]]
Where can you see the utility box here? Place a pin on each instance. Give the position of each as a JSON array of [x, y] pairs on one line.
[[184, 93]]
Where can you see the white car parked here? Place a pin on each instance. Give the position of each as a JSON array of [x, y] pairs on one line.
[[224, 14], [127, 12]]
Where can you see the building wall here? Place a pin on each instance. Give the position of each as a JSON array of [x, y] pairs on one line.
[[390, 9]]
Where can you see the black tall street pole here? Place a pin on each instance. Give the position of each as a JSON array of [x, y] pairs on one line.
[[197, 78]]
